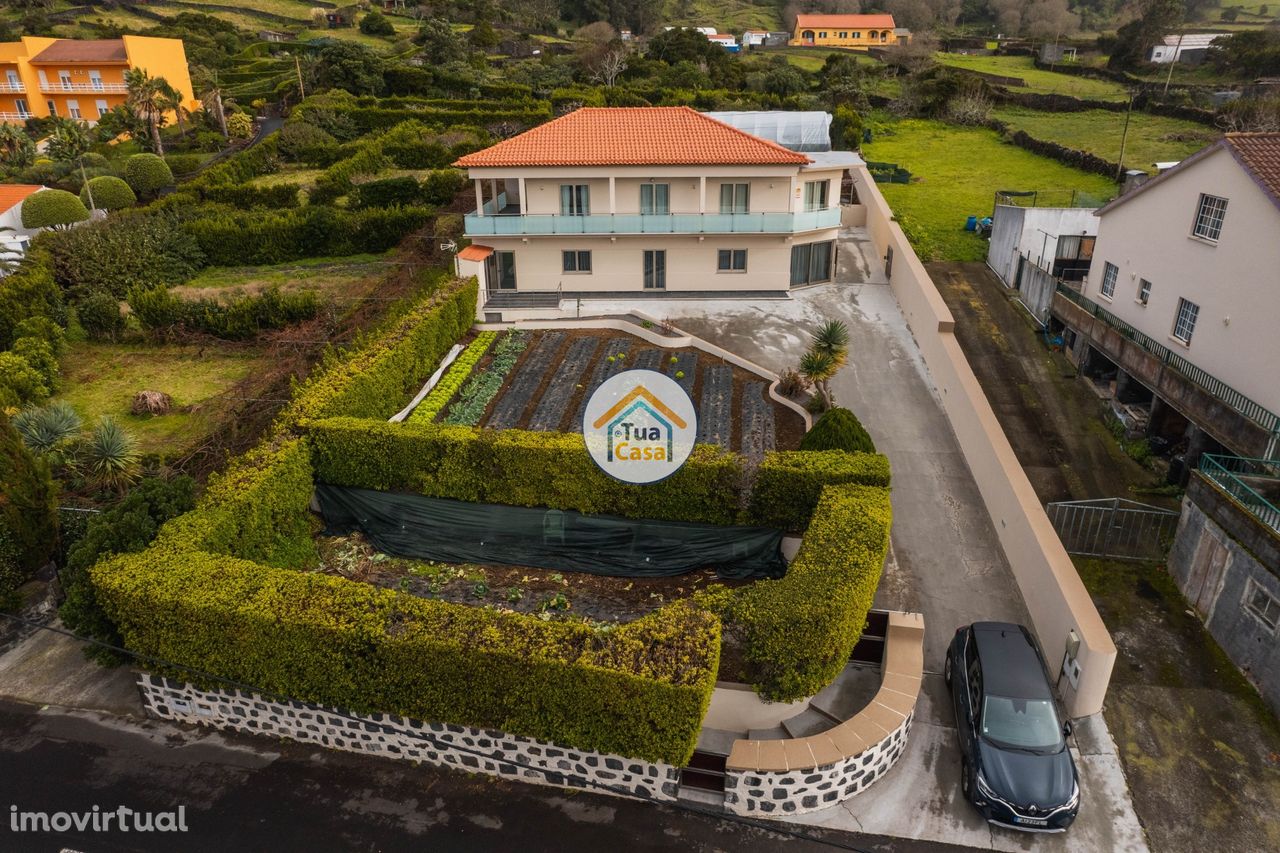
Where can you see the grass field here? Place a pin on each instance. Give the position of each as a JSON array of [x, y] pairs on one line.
[[1044, 82], [326, 276], [101, 379], [1150, 139], [956, 172], [807, 58], [727, 16]]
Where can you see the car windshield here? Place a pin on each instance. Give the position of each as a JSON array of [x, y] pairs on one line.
[[1021, 723]]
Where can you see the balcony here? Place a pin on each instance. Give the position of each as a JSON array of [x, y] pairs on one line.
[[14, 116], [1253, 483], [12, 88], [99, 88], [515, 225]]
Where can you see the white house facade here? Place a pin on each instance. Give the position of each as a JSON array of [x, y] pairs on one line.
[[14, 239]]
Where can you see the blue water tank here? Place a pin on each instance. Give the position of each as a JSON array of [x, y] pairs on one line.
[[971, 224]]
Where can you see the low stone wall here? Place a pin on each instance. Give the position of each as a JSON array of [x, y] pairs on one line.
[[439, 744], [797, 775]]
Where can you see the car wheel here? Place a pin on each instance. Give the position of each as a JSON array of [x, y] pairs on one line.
[[946, 671], [966, 787]]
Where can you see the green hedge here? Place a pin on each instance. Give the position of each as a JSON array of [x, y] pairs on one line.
[[518, 468], [245, 196], [639, 690], [799, 630], [258, 509], [372, 379], [789, 482]]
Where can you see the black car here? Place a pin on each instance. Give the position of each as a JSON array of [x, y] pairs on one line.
[[1015, 765]]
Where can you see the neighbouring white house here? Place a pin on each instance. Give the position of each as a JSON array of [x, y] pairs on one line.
[[1186, 47], [645, 202], [1033, 248], [14, 242]]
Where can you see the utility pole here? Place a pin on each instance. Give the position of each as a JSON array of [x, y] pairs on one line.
[[1177, 51], [1124, 138], [88, 189], [297, 65]]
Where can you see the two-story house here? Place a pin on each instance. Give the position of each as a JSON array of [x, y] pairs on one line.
[[856, 32], [83, 79], [1182, 300], [648, 201]]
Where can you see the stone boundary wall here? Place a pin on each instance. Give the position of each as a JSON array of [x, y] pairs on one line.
[[785, 792], [438, 744], [1056, 598]]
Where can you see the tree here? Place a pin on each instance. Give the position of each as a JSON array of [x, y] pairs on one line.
[[606, 68], [146, 99], [119, 121], [212, 100], [28, 510], [147, 174], [440, 42], [818, 368], [68, 139], [846, 128], [56, 209], [172, 102], [108, 193], [374, 23], [483, 34], [17, 149], [1155, 19], [838, 429], [349, 66]]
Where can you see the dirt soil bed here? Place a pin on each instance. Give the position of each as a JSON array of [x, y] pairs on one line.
[[522, 589], [548, 388]]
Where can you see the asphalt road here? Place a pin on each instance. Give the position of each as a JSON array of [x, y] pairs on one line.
[[249, 794]]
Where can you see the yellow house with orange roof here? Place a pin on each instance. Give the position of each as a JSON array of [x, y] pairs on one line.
[[82, 78]]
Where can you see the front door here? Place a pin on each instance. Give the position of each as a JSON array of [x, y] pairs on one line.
[[500, 271]]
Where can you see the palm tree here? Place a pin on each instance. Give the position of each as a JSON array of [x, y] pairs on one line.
[[213, 105], [818, 367], [147, 99], [16, 147], [9, 259], [172, 102]]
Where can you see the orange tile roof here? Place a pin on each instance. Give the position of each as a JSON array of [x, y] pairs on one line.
[[848, 22], [13, 194], [475, 253], [83, 50], [1260, 154], [634, 136]]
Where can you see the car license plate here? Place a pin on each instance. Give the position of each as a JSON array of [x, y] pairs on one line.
[[1031, 821]]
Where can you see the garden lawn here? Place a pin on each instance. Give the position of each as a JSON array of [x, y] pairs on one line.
[[1151, 138], [101, 379], [330, 277], [956, 172], [288, 175], [1044, 82]]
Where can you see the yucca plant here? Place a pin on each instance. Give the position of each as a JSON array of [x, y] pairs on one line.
[[49, 430], [110, 455], [833, 339], [818, 367]]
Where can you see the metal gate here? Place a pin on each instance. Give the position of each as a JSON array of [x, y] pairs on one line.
[[1113, 527]]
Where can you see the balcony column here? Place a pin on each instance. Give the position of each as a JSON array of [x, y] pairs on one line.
[[794, 204], [493, 194], [613, 196], [702, 194], [524, 203], [479, 197]]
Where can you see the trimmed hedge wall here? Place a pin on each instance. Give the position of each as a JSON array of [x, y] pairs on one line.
[[789, 483], [799, 630], [518, 468], [371, 380], [639, 690]]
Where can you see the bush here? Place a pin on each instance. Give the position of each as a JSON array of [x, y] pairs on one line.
[[517, 468], [789, 483], [100, 317], [369, 380], [374, 23], [305, 143], [185, 164], [157, 309], [245, 196], [28, 294], [108, 193], [20, 382], [239, 126], [147, 174], [130, 249], [799, 630], [52, 209], [638, 690], [28, 510], [442, 186], [126, 528], [386, 193], [838, 429]]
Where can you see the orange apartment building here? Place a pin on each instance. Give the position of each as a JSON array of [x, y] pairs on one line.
[[83, 79]]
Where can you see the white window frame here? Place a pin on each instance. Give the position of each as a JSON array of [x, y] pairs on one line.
[[739, 197], [736, 261], [95, 80], [73, 108], [1184, 321], [1110, 273], [1271, 606], [103, 108], [23, 108], [64, 79], [1144, 291], [816, 195], [1211, 211], [577, 201], [650, 206], [573, 258]]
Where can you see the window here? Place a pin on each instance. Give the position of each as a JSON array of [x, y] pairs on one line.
[[1144, 290], [1073, 256], [655, 199], [857, 35], [95, 80], [14, 80], [844, 35], [655, 269], [735, 198], [1209, 216], [73, 108], [575, 200], [53, 107], [500, 271], [103, 109], [1185, 324], [811, 263], [815, 195], [1110, 272], [64, 77], [576, 261], [21, 106], [1262, 604], [731, 260], [822, 35]]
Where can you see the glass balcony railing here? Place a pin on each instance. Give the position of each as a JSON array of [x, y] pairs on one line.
[[642, 223]]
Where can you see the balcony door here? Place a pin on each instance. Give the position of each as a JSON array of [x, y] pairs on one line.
[[500, 271], [15, 82], [655, 269], [655, 199]]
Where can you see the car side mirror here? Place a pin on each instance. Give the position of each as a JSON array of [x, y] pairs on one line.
[[1066, 728]]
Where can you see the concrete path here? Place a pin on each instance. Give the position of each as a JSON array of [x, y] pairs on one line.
[[48, 668]]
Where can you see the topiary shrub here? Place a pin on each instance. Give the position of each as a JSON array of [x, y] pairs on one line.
[[838, 429], [184, 164], [305, 143], [28, 510], [108, 193], [147, 174], [56, 209], [386, 193]]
